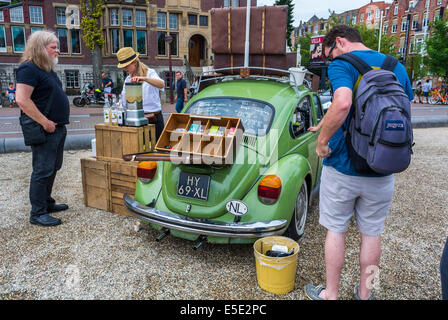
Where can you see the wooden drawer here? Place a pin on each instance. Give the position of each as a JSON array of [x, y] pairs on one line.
[[209, 145]]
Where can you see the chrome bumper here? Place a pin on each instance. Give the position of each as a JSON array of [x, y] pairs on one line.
[[203, 226]]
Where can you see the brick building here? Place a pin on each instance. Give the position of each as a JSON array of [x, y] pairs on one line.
[[141, 24]]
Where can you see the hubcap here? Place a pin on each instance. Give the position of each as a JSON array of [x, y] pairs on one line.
[[300, 211]]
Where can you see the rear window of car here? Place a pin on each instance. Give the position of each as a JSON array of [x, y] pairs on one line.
[[255, 115]]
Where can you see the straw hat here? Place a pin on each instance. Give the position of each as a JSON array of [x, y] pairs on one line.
[[126, 56]]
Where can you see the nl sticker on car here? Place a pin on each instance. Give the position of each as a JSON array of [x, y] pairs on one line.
[[193, 186]]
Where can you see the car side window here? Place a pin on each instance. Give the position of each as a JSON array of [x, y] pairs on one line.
[[301, 118], [318, 106]]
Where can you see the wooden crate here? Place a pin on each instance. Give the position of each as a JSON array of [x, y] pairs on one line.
[[208, 147], [123, 178], [96, 183], [112, 142]]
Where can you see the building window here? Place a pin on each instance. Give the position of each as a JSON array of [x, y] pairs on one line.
[[411, 4], [115, 37], [74, 17], [415, 22], [192, 20], [425, 20], [63, 40], [203, 21], [72, 79], [173, 44], [127, 17], [173, 21], [235, 3], [141, 42], [128, 38], [18, 38], [1, 16], [161, 20], [404, 24], [140, 18], [60, 16], [34, 29], [2, 39], [369, 15], [385, 27], [226, 4], [396, 9], [36, 15], [378, 13], [437, 15], [439, 2], [114, 17], [394, 27], [362, 18], [161, 50], [16, 14], [76, 42], [354, 19]]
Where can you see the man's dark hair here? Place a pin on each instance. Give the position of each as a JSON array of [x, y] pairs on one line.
[[179, 72], [343, 31]]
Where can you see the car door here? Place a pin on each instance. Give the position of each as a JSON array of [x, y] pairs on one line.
[[303, 118]]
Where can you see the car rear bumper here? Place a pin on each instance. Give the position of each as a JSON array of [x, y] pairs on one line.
[[203, 226]]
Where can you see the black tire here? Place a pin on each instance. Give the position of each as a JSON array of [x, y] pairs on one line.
[[296, 227], [79, 102]]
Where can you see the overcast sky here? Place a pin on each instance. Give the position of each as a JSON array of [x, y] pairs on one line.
[[305, 9]]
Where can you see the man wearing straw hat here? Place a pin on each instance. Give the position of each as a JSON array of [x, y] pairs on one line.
[[139, 72]]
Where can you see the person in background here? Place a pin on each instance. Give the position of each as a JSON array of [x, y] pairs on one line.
[[106, 84], [181, 91], [418, 92], [38, 85], [426, 87], [444, 271], [139, 72], [11, 94]]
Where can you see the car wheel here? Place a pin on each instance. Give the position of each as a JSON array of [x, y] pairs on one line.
[[296, 227]]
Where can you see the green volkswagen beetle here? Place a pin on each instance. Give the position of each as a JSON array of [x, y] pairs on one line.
[[267, 187]]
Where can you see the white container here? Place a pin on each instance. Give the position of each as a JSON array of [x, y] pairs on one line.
[[94, 147], [297, 75]]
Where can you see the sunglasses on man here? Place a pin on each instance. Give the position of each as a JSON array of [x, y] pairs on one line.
[[329, 57]]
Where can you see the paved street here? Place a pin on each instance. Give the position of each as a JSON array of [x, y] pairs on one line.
[[82, 120]]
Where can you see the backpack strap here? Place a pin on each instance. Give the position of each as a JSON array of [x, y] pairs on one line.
[[389, 63], [356, 62]]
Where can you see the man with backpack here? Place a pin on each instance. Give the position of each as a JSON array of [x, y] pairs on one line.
[[366, 135]]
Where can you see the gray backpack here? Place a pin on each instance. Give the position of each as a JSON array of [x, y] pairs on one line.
[[379, 136]]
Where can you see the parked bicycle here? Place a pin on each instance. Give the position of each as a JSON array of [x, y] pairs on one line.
[[438, 97], [90, 95]]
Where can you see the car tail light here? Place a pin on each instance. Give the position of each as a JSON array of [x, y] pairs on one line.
[[146, 171], [269, 189]]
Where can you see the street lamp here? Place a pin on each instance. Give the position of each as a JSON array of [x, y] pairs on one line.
[[168, 40]]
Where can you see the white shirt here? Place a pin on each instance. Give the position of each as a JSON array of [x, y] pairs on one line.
[[426, 87], [151, 98]]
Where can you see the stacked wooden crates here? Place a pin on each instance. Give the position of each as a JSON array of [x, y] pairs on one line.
[[107, 177]]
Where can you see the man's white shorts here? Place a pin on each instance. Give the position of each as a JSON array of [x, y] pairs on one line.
[[341, 196]]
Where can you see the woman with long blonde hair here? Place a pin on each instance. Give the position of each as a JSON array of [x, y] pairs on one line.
[[41, 97], [151, 84]]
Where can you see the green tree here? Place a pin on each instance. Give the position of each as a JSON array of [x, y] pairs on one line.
[[290, 18], [370, 38], [92, 12], [437, 48]]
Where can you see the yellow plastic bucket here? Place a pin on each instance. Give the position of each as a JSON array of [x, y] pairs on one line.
[[276, 274]]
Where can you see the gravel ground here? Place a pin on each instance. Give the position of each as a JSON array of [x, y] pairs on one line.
[[97, 255]]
